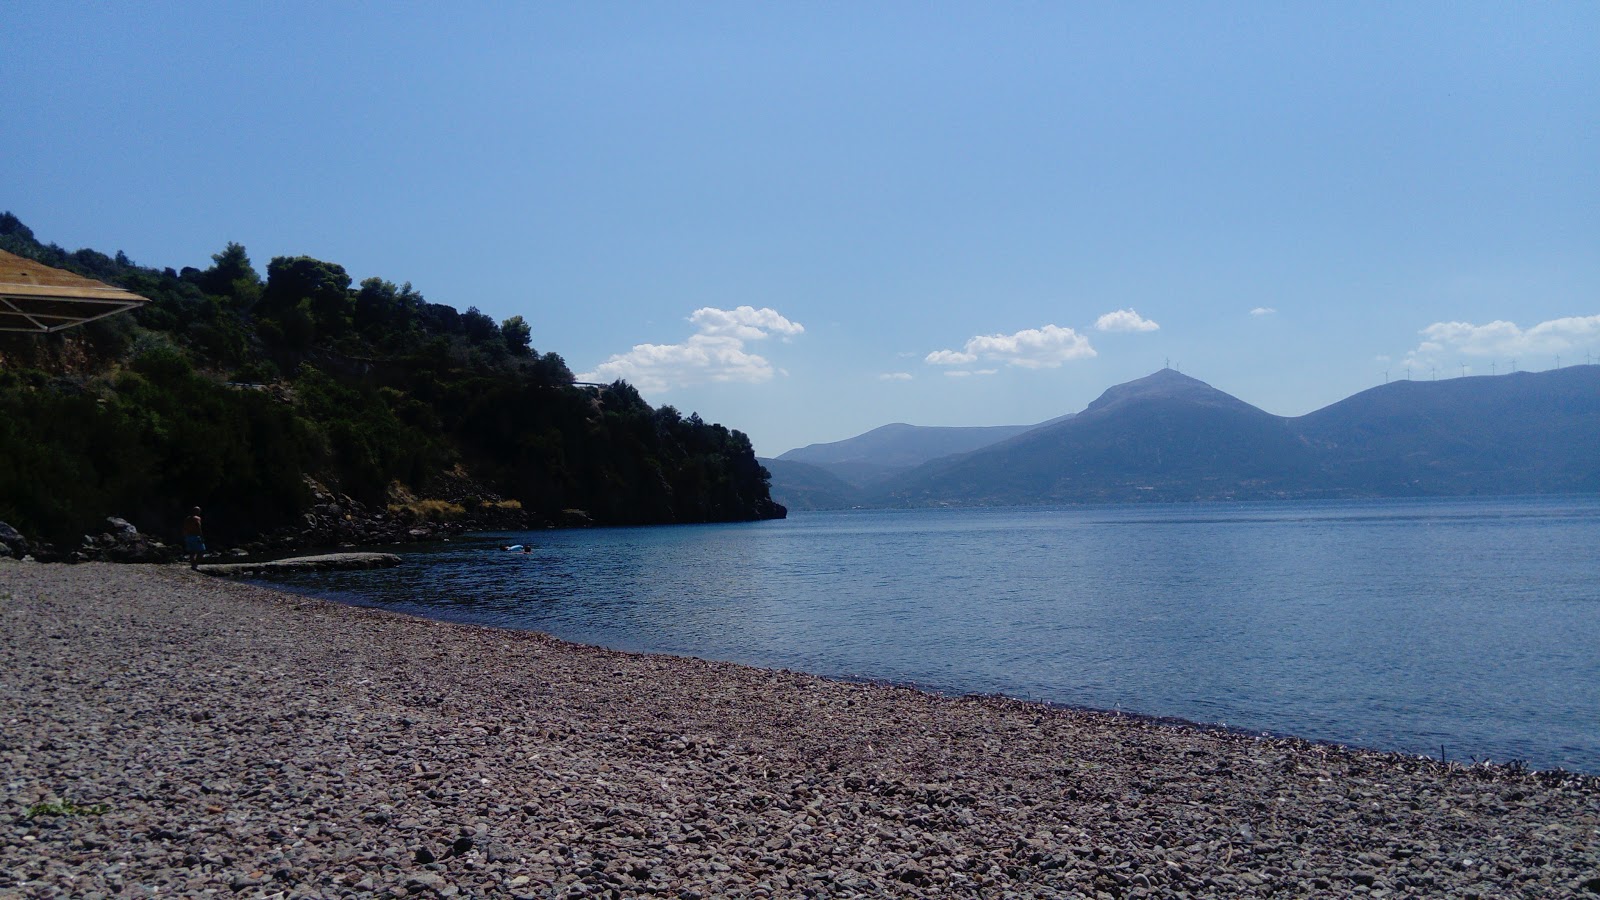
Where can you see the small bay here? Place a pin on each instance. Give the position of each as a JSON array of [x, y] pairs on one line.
[[1407, 625]]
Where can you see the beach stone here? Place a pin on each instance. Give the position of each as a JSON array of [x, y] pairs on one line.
[[305, 748], [428, 880]]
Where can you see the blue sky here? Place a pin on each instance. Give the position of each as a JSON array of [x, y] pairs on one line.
[[805, 220]]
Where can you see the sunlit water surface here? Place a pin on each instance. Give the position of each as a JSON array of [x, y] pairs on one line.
[[1402, 625]]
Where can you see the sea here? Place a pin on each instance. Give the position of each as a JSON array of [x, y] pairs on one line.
[[1464, 629]]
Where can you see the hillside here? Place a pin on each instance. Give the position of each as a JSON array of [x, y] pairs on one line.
[[272, 401], [1163, 437], [1522, 433], [890, 449], [1171, 437], [798, 485]]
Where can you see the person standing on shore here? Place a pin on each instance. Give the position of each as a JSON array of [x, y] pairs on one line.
[[194, 542]]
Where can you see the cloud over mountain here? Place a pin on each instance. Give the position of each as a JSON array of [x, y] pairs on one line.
[[1504, 339], [1031, 348], [1124, 320], [715, 353]]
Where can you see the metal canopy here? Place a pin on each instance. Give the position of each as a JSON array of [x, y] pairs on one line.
[[38, 299]]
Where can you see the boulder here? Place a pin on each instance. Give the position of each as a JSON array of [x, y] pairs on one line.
[[136, 548], [12, 541], [576, 518], [121, 543]]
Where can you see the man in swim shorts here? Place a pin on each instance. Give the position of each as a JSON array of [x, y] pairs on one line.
[[194, 542]]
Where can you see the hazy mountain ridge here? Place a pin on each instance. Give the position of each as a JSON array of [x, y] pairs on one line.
[[1162, 437], [890, 449], [798, 485], [1528, 432], [1170, 437]]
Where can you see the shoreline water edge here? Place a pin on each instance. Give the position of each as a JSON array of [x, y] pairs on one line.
[[170, 734]]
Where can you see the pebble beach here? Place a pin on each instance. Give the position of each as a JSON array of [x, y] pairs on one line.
[[164, 733]]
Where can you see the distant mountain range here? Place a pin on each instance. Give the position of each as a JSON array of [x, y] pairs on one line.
[[892, 449], [810, 487], [1170, 437], [838, 475]]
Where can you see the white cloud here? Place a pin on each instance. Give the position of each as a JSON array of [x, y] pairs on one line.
[[1032, 348], [1505, 339], [1263, 311], [715, 354], [745, 323], [958, 373], [950, 358], [895, 376], [1124, 320]]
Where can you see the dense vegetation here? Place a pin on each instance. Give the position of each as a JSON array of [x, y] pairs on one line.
[[228, 388]]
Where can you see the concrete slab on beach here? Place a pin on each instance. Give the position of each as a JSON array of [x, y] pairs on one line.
[[325, 562]]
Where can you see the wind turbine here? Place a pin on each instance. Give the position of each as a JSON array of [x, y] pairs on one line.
[[1463, 370]]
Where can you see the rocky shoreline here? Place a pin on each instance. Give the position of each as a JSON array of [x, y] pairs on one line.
[[333, 521], [167, 734]]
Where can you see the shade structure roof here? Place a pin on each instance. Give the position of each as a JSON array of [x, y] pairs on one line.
[[34, 297]]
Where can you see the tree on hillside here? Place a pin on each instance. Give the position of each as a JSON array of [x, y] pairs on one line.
[[519, 337], [302, 288], [383, 310], [480, 329], [231, 275]]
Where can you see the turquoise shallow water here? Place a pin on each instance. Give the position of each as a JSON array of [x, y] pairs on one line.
[[1400, 625]]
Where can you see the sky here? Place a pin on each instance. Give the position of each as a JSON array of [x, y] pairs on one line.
[[807, 220]]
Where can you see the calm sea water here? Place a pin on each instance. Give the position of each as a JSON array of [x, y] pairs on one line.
[[1400, 625]]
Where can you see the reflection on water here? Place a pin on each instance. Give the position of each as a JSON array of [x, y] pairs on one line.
[[1395, 624]]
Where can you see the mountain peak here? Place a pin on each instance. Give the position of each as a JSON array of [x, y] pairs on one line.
[[1165, 384], [1165, 377]]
